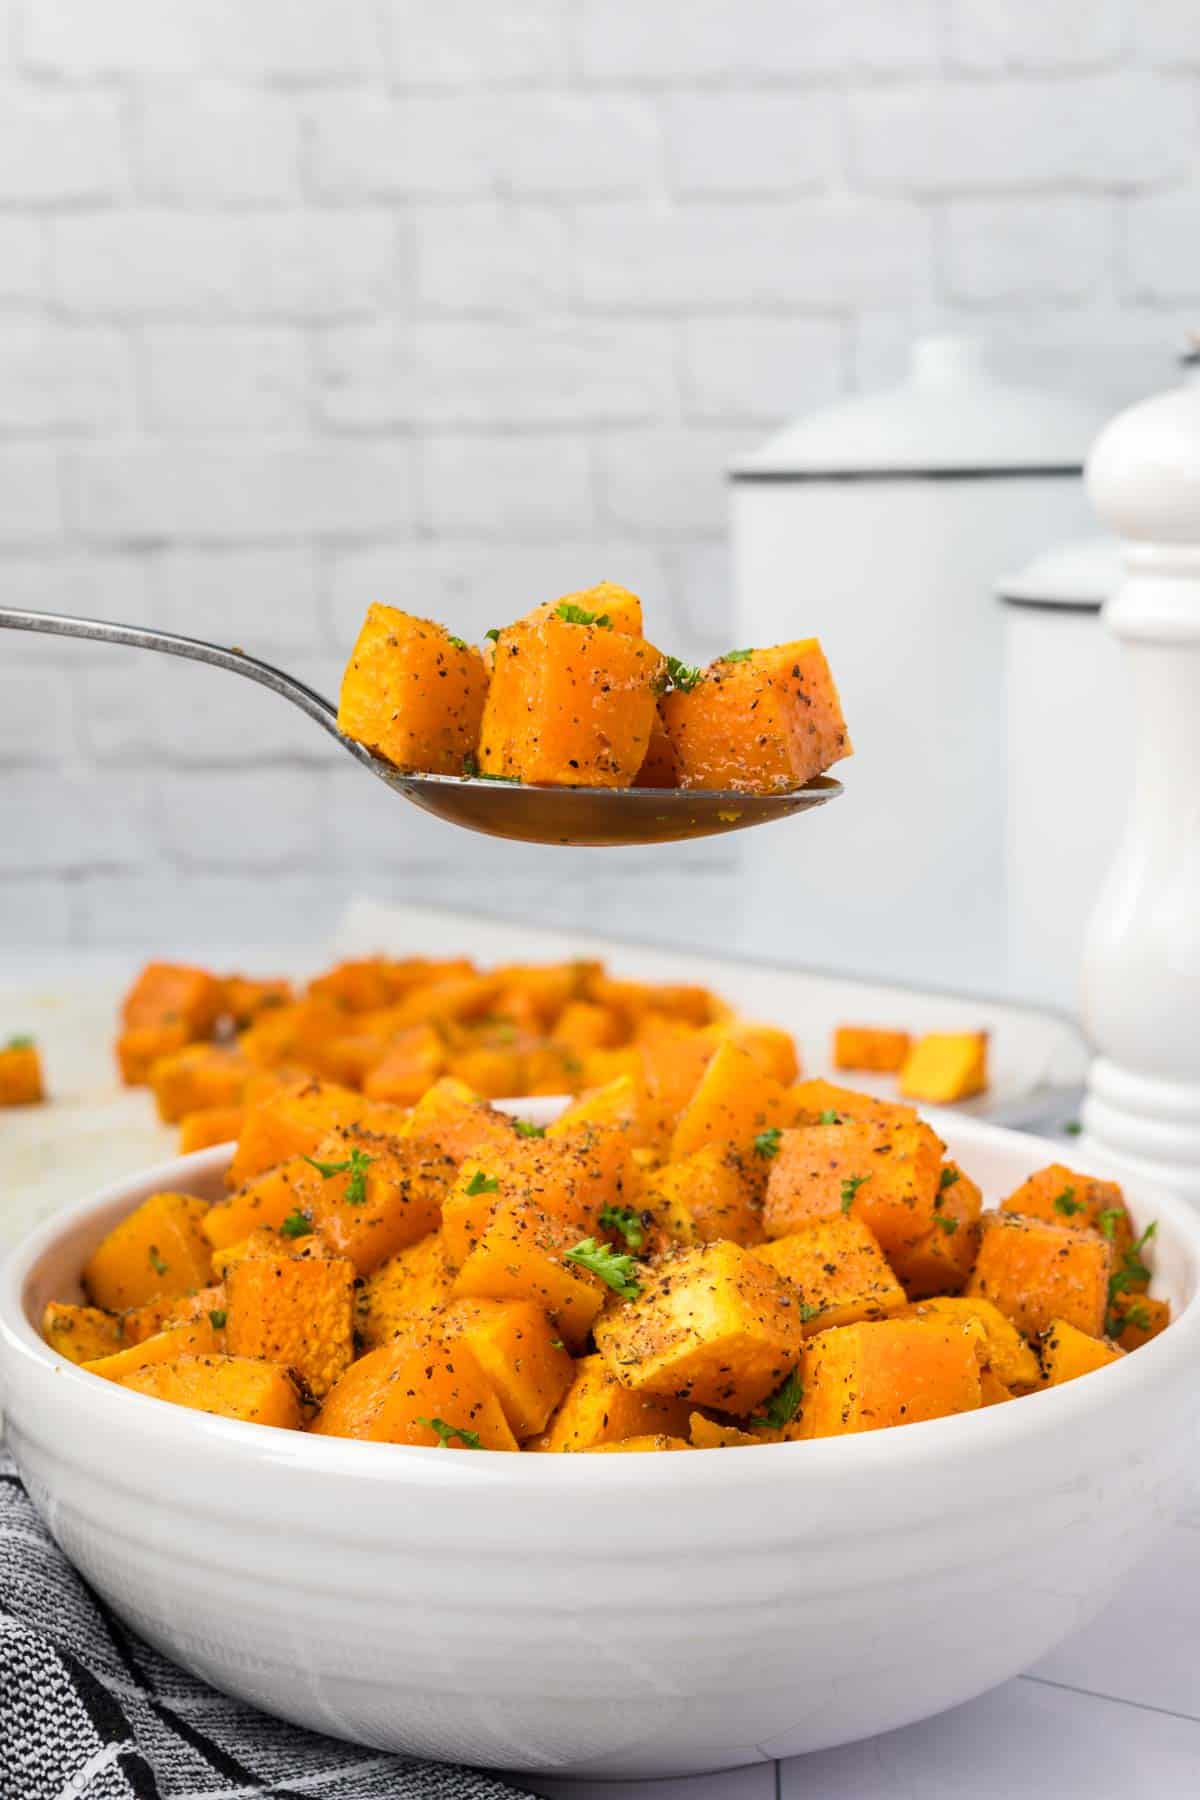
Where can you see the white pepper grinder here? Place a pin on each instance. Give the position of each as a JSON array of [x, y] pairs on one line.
[[1141, 968]]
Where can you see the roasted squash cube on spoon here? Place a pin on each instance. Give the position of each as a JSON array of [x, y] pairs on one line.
[[758, 721], [413, 693]]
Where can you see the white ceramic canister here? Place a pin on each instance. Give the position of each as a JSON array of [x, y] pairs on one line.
[[880, 525], [1068, 759]]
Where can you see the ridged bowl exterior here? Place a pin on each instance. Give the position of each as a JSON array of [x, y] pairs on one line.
[[622, 1616]]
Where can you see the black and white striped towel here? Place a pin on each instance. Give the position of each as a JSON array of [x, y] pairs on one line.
[[90, 1712]]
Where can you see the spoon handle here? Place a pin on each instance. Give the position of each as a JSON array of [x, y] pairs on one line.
[[170, 643]]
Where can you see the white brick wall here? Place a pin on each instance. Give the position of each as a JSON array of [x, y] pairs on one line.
[[465, 304]]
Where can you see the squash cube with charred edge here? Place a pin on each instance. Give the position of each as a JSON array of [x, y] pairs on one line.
[[598, 1409], [1010, 1358], [199, 1075], [941, 1260], [159, 1250], [870, 1048], [519, 1353], [841, 1273], [887, 1372], [569, 704], [81, 1334], [713, 1189], [521, 1255], [374, 1195], [400, 1393], [1036, 1273], [732, 1105], [298, 1311], [233, 1387], [21, 1081], [1063, 1196], [291, 1122], [413, 693], [945, 1066], [713, 1325], [881, 1171], [404, 1294], [762, 722], [1066, 1353]]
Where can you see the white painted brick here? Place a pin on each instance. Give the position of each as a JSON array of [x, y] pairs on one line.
[[574, 144], [36, 914], [670, 480], [499, 374], [1051, 249], [30, 500], [753, 143], [35, 715], [216, 146], [1125, 130], [92, 584], [209, 492], [458, 42], [819, 254], [22, 262], [1033, 34], [365, 826], [1163, 246], [471, 587], [59, 819], [153, 711], [490, 259], [723, 40], [171, 264], [701, 577], [253, 819], [157, 914], [511, 486], [764, 369], [236, 381], [370, 145], [56, 146], [319, 40], [266, 600], [1165, 32], [55, 377]]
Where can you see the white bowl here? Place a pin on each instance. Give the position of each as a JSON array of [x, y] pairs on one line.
[[616, 1616]]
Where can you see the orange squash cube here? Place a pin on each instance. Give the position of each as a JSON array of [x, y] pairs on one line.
[[660, 765], [174, 994], [1067, 1353], [515, 1345], [404, 1293], [1063, 1196], [758, 722], [946, 1066], [638, 1445], [233, 1387], [884, 1173], [454, 1122], [870, 1047], [811, 1103], [81, 1334], [413, 693], [21, 1081], [197, 1337], [244, 997], [717, 1197], [199, 1075], [373, 1196], [266, 1201], [841, 1273], [521, 1256], [291, 1122], [734, 1103], [1036, 1272], [940, 1261], [1007, 1354], [139, 1047], [209, 1125], [598, 1409], [294, 1310], [887, 1372], [159, 1250], [431, 1393]]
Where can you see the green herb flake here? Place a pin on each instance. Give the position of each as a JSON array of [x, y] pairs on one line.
[[296, 1225], [557, 1344], [485, 775], [1066, 1203], [684, 676], [829, 1117], [1073, 1128], [948, 1225], [492, 634], [524, 1129], [216, 1318], [482, 1184], [737, 656], [1133, 1271], [808, 1312], [445, 1431], [355, 1165], [783, 1405], [948, 1177], [155, 1260], [626, 1221], [1107, 1220], [459, 643], [22, 1041], [615, 1270], [850, 1187], [766, 1144], [579, 615]]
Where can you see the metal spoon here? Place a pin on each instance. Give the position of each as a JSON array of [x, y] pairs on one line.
[[533, 815]]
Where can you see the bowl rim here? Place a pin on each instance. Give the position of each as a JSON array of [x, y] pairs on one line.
[[990, 1430]]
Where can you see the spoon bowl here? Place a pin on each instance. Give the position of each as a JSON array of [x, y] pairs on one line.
[[500, 808]]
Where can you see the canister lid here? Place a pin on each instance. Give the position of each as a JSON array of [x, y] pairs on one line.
[[1077, 577], [950, 417]]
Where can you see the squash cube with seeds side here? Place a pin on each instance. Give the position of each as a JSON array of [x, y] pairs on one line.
[[1036, 1272], [413, 693], [713, 1325]]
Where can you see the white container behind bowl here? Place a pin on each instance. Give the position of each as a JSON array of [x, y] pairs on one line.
[[1068, 759], [880, 525]]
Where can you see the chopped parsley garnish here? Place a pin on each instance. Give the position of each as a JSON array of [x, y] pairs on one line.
[[808, 1312], [486, 775], [493, 634], [1106, 1221], [684, 676], [737, 656], [216, 1318], [557, 1344], [155, 1260], [482, 1184], [783, 1405], [766, 1144], [579, 615], [626, 1221], [468, 1439], [948, 1177], [616, 1270], [948, 1225], [459, 643], [22, 1041], [850, 1187], [296, 1225], [829, 1117], [355, 1165], [523, 1128], [1131, 1274], [1073, 1128], [1066, 1203]]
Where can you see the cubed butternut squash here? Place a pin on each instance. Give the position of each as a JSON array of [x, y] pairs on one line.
[[1036, 1272], [198, 1337], [404, 1293], [734, 1105], [1063, 1196], [887, 1372], [759, 721], [1134, 1318], [940, 1261], [158, 1250], [871, 1048], [1012, 1359], [291, 1122], [298, 1311], [520, 1354], [209, 1125], [883, 1172], [432, 1394], [233, 1387], [598, 1409], [711, 1186], [413, 693], [1067, 1353], [945, 1066], [81, 1334], [839, 1270], [21, 1082], [373, 1195], [411, 1063], [199, 1075], [522, 1255]]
